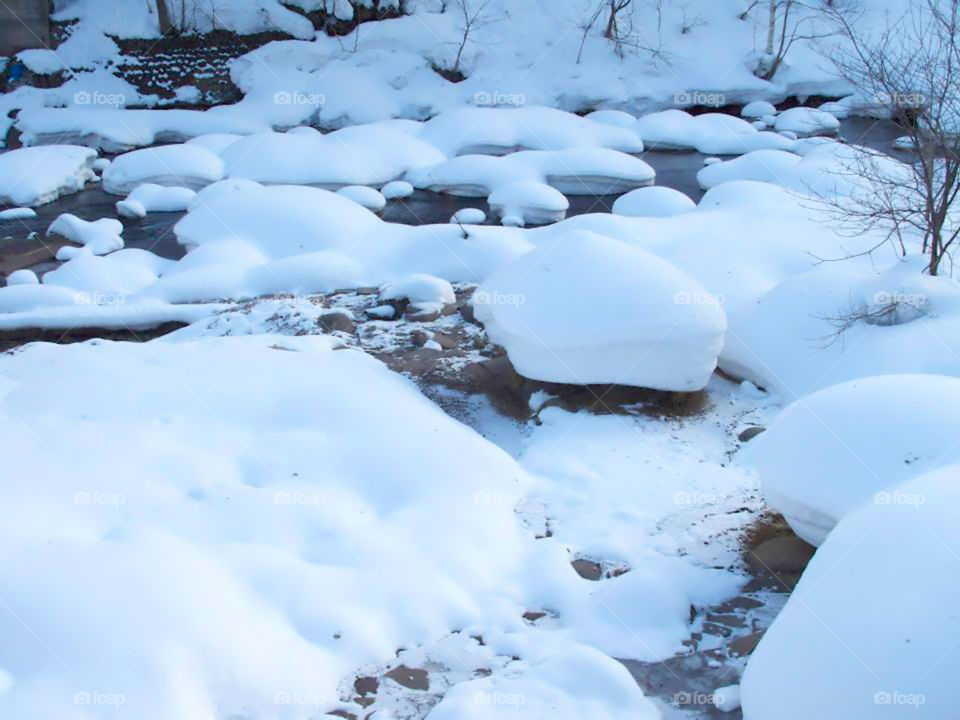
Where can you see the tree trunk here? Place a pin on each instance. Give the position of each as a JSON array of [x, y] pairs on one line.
[[163, 16], [771, 26]]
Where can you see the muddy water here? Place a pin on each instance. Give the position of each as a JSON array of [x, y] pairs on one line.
[[155, 232]]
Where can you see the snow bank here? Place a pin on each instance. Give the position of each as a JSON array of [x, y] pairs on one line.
[[190, 166], [710, 133], [498, 131], [653, 202], [589, 309], [851, 443], [35, 176], [261, 520], [887, 565]]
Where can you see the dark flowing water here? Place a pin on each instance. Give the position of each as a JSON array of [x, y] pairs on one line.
[[676, 170]]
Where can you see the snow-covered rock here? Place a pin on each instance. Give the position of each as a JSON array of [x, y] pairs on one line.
[[35, 176], [22, 277], [22, 213], [758, 110], [98, 237], [190, 166], [469, 216], [869, 631], [589, 309], [807, 121], [653, 202], [710, 133], [149, 198], [397, 190], [364, 196], [851, 444], [425, 292], [527, 202]]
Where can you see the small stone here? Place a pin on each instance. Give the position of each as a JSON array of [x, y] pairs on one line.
[[337, 321], [588, 569], [745, 644], [412, 678], [750, 433]]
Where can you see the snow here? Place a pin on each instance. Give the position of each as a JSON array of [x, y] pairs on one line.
[[727, 698], [364, 196], [424, 291], [149, 197], [397, 190], [35, 176], [98, 237], [589, 309], [807, 121], [190, 166], [577, 682], [852, 443], [22, 277], [469, 216], [710, 133], [886, 564], [527, 202], [653, 202], [758, 110], [17, 213]]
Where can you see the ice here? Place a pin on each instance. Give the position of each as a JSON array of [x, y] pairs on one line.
[[653, 202], [35, 176], [589, 309], [844, 446], [889, 565]]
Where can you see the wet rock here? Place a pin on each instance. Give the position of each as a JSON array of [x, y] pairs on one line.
[[750, 433], [411, 678], [531, 616], [588, 569], [744, 645], [366, 685], [781, 559], [337, 321], [419, 338]]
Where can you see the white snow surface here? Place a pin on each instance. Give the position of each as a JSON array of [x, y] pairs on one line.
[[98, 237], [851, 444], [35, 176], [653, 202], [823, 656]]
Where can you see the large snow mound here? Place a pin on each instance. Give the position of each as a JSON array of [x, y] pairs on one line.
[[34, 176], [589, 309], [889, 565], [851, 443]]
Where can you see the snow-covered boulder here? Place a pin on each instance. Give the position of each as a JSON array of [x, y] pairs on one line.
[[469, 216], [710, 133], [150, 197], [617, 118], [528, 203], [21, 213], [364, 196], [426, 293], [589, 309], [807, 121], [35, 176], [22, 277], [653, 202], [98, 237], [397, 190], [191, 166], [871, 628], [757, 110], [851, 443], [773, 166]]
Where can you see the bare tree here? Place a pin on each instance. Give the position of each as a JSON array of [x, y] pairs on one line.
[[621, 31], [912, 66], [473, 15], [787, 22]]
